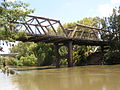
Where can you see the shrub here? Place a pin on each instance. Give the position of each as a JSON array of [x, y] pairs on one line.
[[112, 58], [28, 60], [3, 60]]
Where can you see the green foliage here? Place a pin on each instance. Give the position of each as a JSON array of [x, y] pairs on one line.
[[28, 60], [44, 53], [81, 54], [23, 49], [9, 61], [94, 22], [25, 54], [63, 62], [3, 60], [11, 35], [111, 58], [63, 50], [113, 27], [13, 62], [11, 12], [30, 53]]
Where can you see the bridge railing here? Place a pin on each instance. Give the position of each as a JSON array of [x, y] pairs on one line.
[[45, 26], [40, 26], [85, 32]]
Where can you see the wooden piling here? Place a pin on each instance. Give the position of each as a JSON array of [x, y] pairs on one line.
[[102, 49], [57, 56], [70, 54]]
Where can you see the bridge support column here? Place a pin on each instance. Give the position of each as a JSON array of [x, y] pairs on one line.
[[57, 56], [70, 54], [102, 49]]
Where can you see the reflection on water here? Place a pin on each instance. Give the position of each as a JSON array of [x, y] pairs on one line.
[[77, 78], [6, 83]]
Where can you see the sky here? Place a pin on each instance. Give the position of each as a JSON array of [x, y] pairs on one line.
[[71, 10]]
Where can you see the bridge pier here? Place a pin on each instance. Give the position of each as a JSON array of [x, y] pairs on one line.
[[68, 56], [102, 49], [57, 56]]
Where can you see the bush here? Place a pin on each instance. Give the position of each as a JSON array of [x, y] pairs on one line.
[[10, 61], [3, 60], [28, 60], [112, 58], [63, 62], [16, 62]]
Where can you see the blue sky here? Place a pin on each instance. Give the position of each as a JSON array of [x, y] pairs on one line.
[[72, 10]]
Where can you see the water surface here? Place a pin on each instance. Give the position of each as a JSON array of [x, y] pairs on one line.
[[77, 78]]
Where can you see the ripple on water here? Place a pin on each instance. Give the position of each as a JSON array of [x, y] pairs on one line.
[[5, 82]]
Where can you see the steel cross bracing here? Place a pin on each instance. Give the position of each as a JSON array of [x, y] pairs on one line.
[[50, 30]]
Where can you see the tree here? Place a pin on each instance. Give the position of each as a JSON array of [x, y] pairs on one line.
[[24, 49], [113, 26], [25, 53], [11, 12], [44, 53]]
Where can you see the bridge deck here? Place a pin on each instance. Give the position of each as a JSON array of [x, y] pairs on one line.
[[61, 39]]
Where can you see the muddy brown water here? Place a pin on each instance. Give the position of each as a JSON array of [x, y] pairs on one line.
[[76, 78]]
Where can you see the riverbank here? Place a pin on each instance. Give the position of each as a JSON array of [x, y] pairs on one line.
[[28, 68]]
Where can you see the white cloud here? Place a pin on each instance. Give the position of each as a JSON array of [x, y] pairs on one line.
[[10, 0], [105, 10], [115, 1]]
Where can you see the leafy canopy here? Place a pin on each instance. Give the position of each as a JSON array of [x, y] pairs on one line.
[[11, 12], [112, 24]]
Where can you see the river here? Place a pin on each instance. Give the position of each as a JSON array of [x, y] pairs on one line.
[[76, 78]]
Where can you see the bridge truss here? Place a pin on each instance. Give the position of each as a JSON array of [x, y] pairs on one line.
[[40, 29]]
